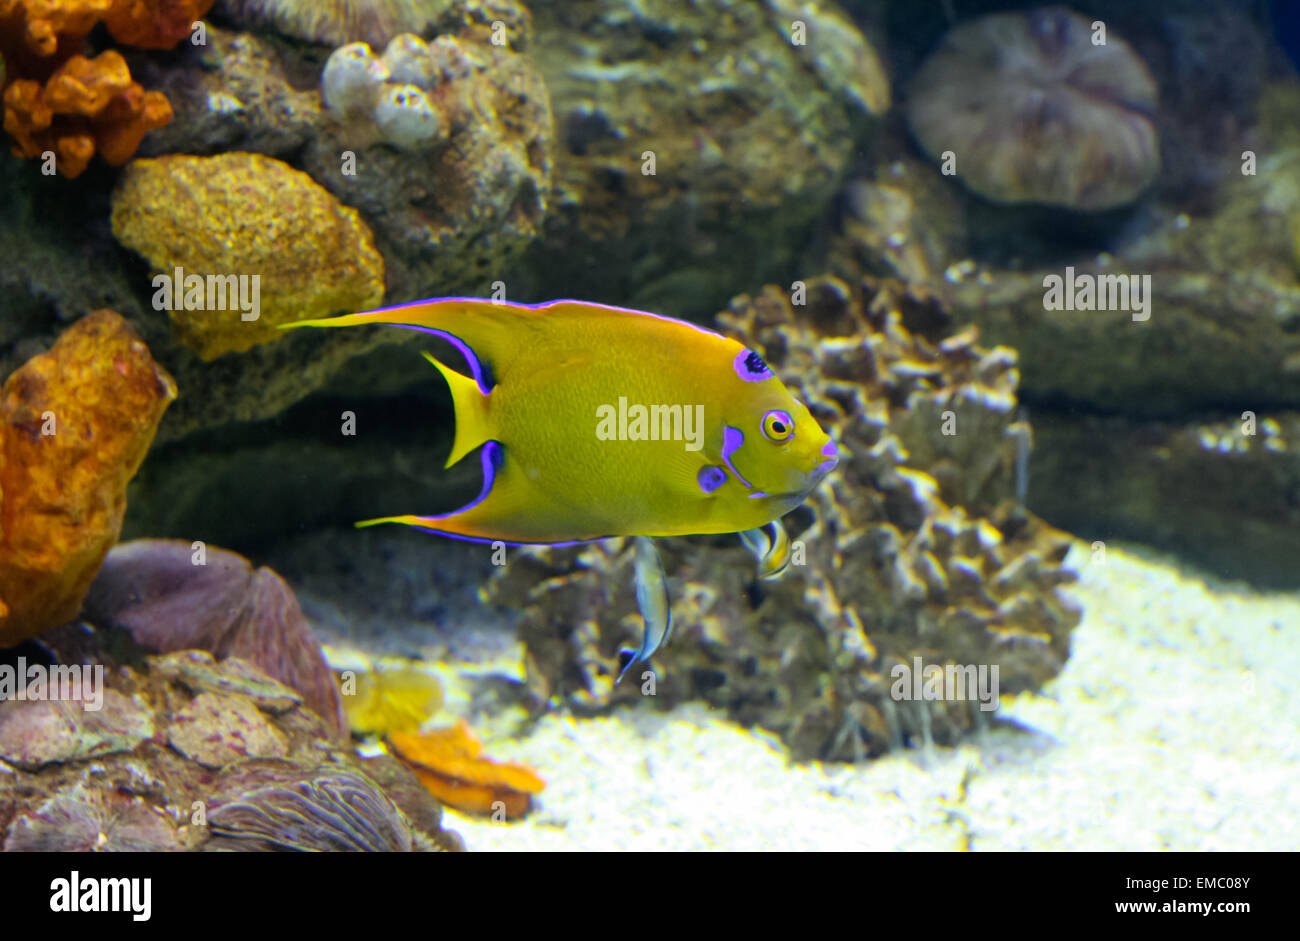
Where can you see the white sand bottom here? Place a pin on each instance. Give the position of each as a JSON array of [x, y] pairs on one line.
[[1174, 726]]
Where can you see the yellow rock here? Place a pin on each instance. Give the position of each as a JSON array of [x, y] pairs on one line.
[[225, 220]]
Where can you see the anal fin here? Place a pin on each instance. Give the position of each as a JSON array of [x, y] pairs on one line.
[[508, 509]]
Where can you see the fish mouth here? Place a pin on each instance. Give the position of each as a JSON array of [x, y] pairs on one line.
[[832, 460], [815, 477]]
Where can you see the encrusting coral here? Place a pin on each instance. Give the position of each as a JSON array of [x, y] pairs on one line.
[[75, 424], [190, 753], [58, 101], [451, 764], [914, 549]]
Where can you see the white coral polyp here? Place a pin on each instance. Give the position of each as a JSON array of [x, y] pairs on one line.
[[353, 79], [405, 118]]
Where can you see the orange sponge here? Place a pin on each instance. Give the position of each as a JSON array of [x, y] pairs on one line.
[[58, 100]]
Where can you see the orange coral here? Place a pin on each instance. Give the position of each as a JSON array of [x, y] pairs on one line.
[[154, 24], [74, 426], [449, 762], [40, 24], [87, 105], [58, 100]]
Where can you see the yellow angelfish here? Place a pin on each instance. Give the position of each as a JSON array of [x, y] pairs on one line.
[[595, 421]]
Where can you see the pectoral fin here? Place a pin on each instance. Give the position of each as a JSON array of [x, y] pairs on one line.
[[652, 600], [771, 546]]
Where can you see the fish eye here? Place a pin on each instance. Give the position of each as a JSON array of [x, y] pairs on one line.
[[778, 426]]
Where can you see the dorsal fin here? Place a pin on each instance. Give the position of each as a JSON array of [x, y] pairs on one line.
[[487, 334]]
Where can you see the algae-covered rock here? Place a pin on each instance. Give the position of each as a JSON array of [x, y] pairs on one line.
[[236, 93], [44, 731], [75, 424], [696, 142], [198, 671], [1222, 492], [215, 730], [912, 549], [1208, 338], [227, 219], [80, 818]]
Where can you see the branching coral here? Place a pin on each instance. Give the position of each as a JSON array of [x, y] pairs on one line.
[[58, 101], [914, 548]]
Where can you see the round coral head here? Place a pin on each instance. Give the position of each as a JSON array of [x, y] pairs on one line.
[[1027, 109]]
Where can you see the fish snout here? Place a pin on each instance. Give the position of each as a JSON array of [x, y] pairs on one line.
[[830, 456]]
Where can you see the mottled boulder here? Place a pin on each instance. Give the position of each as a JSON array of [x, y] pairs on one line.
[[748, 133]]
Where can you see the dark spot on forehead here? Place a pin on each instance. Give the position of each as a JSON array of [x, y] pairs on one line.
[[750, 366]]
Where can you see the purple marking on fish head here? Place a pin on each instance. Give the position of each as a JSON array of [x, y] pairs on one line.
[[750, 366], [832, 455], [732, 439], [711, 478]]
